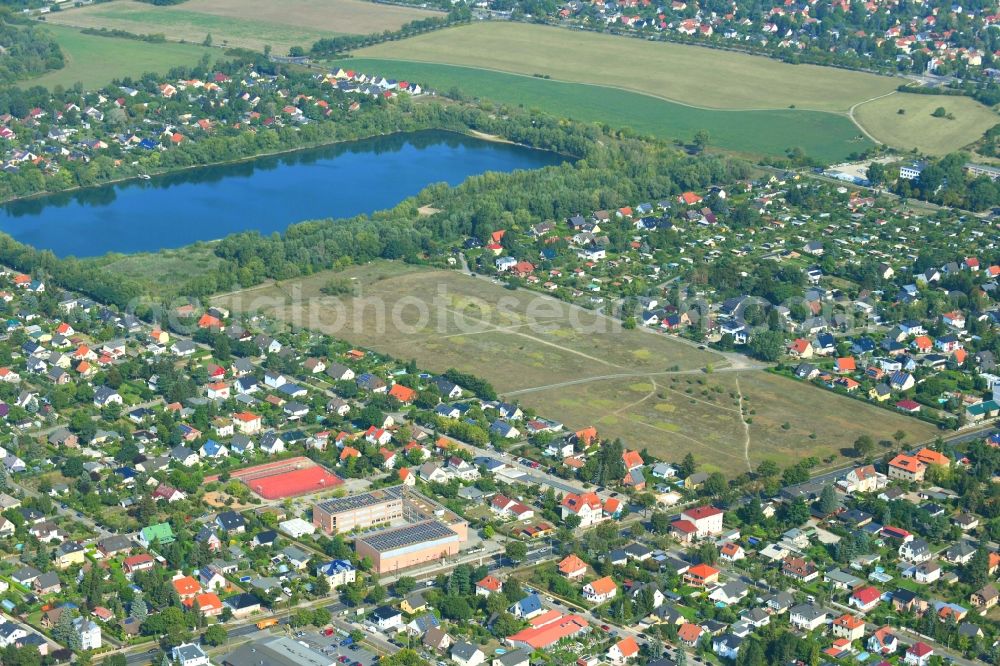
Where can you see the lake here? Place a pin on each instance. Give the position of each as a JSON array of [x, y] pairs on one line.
[[266, 194]]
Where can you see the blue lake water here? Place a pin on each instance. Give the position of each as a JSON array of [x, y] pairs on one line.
[[266, 194]]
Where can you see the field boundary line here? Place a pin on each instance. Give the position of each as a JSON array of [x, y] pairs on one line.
[[491, 330], [644, 93], [857, 123], [495, 328], [680, 434], [638, 402], [623, 375], [746, 426]]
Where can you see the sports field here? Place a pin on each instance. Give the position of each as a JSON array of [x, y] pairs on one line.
[[245, 23], [826, 136], [94, 60], [917, 128], [579, 368]]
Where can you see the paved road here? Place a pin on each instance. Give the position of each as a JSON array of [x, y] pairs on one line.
[[908, 637], [954, 439]]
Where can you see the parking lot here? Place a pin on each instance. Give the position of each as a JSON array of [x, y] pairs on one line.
[[349, 655]]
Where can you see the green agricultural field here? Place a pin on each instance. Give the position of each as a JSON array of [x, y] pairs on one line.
[[700, 77], [646, 388], [692, 75], [826, 136], [244, 23], [95, 61], [917, 128]]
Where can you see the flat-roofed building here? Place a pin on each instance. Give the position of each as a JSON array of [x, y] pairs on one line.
[[416, 530], [410, 545], [371, 509], [276, 651]]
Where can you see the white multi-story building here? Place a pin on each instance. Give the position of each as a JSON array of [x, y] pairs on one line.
[[912, 171], [587, 506], [337, 572], [89, 633], [706, 519]]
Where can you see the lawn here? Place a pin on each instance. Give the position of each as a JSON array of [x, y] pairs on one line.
[[94, 61], [245, 23], [576, 367], [826, 136], [917, 128], [688, 74]]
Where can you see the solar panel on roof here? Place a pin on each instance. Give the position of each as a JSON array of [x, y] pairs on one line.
[[400, 537], [352, 502]]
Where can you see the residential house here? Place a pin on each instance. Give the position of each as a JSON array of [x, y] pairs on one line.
[[849, 626], [799, 568], [807, 617], [586, 506], [907, 468], [864, 598], [883, 642], [527, 608], [464, 653], [707, 520], [985, 598], [623, 651], [701, 575], [600, 590], [572, 567], [189, 654], [915, 550], [862, 479], [918, 654]]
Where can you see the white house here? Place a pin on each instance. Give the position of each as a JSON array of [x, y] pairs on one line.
[[623, 651], [586, 506], [916, 551], [706, 519], [466, 654], [89, 633], [807, 617], [600, 590], [505, 263], [189, 654], [337, 572]]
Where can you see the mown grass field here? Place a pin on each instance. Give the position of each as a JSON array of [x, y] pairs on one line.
[[826, 136], [693, 75], [700, 77], [95, 61], [445, 319], [675, 414], [576, 367], [917, 128], [245, 23]]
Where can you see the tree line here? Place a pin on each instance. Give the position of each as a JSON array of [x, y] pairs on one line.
[[334, 46]]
